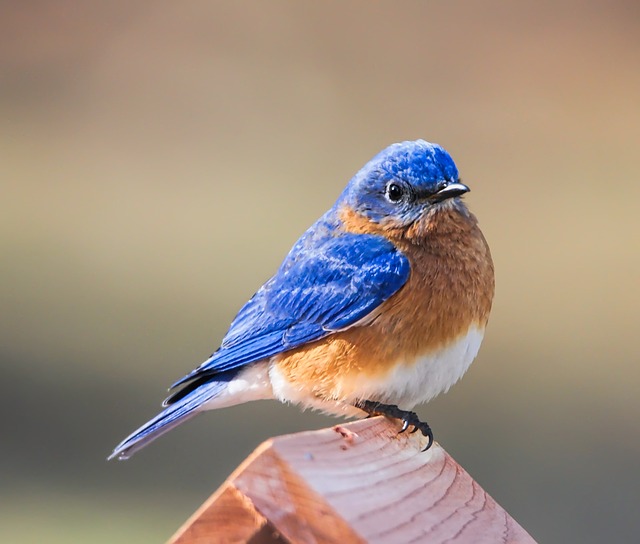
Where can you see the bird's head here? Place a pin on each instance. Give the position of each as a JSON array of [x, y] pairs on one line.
[[403, 182]]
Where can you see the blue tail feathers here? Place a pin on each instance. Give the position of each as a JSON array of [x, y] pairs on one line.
[[177, 412]]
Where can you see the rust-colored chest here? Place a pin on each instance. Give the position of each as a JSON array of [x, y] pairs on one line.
[[449, 292]]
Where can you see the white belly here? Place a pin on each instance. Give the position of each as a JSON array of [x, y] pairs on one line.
[[408, 384], [419, 381]]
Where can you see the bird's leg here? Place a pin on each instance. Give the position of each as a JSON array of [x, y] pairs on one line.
[[391, 410]]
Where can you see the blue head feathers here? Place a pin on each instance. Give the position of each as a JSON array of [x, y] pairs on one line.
[[401, 181]]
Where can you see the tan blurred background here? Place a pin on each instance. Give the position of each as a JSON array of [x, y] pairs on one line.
[[157, 161]]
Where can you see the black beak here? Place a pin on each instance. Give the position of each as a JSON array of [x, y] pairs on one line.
[[453, 189]]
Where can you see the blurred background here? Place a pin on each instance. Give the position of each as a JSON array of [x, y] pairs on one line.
[[158, 160]]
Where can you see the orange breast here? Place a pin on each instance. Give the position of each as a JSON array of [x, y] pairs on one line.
[[450, 289]]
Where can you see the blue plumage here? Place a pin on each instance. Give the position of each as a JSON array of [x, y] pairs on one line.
[[172, 416], [420, 168], [315, 292]]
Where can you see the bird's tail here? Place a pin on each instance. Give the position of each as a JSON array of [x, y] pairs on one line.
[[182, 407]]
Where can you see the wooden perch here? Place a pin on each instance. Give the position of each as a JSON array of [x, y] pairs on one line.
[[358, 482]]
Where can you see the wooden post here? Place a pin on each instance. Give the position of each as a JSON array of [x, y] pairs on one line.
[[358, 482]]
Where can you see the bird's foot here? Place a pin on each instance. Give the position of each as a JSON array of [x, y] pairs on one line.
[[409, 419]]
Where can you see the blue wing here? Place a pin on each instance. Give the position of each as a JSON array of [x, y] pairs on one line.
[[327, 283], [321, 287]]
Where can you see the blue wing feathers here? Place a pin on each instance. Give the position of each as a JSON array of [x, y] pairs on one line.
[[319, 289], [302, 333]]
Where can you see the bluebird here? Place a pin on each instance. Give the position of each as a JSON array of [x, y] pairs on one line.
[[380, 305]]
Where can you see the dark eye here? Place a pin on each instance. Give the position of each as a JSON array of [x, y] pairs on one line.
[[395, 192]]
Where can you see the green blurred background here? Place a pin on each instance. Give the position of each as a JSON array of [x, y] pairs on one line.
[[157, 161]]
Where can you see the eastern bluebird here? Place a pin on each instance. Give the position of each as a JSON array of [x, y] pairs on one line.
[[379, 306]]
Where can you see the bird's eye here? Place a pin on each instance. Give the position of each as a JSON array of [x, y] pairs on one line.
[[394, 192]]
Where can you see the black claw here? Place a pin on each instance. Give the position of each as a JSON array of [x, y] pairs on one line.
[[408, 418], [429, 435]]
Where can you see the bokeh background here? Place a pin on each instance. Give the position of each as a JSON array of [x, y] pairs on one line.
[[157, 161]]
